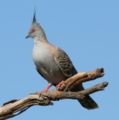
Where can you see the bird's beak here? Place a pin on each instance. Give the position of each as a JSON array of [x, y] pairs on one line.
[[27, 36]]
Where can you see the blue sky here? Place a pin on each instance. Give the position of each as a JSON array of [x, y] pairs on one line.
[[87, 30]]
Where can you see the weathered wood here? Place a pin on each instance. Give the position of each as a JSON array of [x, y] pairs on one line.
[[15, 107]]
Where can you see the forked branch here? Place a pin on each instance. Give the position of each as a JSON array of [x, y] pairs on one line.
[[16, 107]]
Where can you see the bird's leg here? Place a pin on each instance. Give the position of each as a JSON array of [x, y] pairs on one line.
[[45, 89], [48, 87], [59, 85]]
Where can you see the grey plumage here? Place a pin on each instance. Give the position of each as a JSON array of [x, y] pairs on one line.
[[53, 63]]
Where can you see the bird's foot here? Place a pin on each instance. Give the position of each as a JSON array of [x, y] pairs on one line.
[[60, 84]]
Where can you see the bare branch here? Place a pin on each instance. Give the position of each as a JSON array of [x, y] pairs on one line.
[[80, 78], [15, 107]]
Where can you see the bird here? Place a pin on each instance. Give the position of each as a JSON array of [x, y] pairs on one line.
[[53, 63]]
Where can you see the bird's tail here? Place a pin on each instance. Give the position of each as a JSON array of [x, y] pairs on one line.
[[88, 103]]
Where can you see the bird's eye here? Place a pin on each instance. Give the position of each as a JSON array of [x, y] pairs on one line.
[[33, 30]]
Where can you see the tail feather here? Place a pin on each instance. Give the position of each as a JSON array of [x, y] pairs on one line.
[[88, 103]]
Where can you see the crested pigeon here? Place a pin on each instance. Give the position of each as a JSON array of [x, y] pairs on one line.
[[53, 63]]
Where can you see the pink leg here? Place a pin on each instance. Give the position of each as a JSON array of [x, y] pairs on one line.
[[45, 89]]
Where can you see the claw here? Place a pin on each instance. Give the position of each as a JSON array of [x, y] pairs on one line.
[[60, 84]]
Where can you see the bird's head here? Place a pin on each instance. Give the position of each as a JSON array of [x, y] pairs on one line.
[[36, 30]]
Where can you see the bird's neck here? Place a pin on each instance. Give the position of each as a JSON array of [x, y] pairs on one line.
[[40, 38]]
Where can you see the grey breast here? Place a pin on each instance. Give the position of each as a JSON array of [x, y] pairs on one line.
[[46, 65]]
